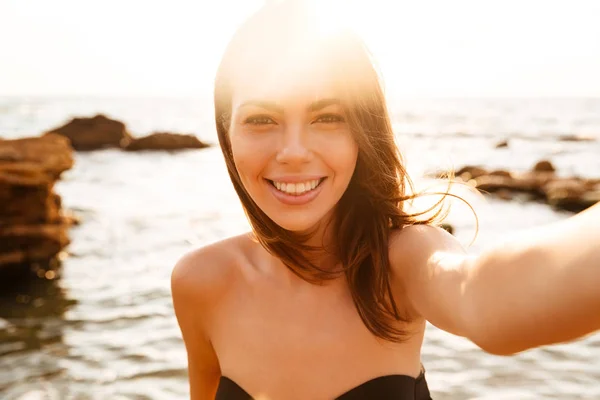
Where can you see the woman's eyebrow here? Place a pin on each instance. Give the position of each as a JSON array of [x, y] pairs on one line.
[[266, 104], [273, 106], [320, 104]]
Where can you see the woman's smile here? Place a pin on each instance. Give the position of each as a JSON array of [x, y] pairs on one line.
[[297, 190]]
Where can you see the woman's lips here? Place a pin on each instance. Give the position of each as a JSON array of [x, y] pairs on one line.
[[293, 199]]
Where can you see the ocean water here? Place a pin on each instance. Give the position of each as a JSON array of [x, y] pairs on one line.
[[105, 328]]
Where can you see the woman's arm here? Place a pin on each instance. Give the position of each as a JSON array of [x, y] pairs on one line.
[[192, 291], [539, 288]]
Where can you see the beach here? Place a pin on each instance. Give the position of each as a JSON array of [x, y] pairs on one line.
[[104, 327]]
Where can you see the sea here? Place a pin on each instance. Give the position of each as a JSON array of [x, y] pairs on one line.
[[104, 328]]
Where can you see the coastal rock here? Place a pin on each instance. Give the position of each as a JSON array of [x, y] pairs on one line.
[[50, 153], [448, 228], [165, 141], [544, 166], [470, 172], [576, 138], [28, 243], [495, 183], [94, 133], [502, 144], [504, 194], [572, 194], [501, 172], [541, 183], [33, 227]]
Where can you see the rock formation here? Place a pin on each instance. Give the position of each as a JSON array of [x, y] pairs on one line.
[[165, 141], [100, 132], [94, 133], [541, 183], [502, 144], [33, 227]]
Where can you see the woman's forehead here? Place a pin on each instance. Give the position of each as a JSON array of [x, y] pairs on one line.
[[283, 87]]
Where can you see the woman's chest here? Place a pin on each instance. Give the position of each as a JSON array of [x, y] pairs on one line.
[[273, 321], [300, 337]]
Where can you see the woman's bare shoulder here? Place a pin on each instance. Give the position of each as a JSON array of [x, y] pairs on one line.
[[412, 250], [203, 274], [415, 243]]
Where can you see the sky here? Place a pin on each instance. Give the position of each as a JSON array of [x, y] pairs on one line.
[[426, 48]]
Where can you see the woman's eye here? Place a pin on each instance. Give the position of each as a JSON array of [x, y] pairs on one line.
[[259, 120], [329, 118]]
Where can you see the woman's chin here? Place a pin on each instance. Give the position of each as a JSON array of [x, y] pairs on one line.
[[295, 227], [300, 225]]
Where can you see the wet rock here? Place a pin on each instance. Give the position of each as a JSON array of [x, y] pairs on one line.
[[501, 172], [544, 166], [27, 243], [573, 194], [470, 172], [502, 144], [496, 183], [94, 133], [541, 183], [504, 194], [165, 141], [33, 227], [576, 138], [448, 228], [70, 218], [50, 153]]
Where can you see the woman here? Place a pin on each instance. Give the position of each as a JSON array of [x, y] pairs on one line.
[[329, 295]]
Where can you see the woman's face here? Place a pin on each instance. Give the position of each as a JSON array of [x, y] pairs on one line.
[[292, 148]]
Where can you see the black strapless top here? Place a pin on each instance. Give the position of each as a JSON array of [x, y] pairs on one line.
[[389, 387]]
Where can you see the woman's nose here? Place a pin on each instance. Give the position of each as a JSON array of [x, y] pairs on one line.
[[294, 147]]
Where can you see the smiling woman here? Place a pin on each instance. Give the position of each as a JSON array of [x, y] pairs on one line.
[[329, 295], [290, 153]]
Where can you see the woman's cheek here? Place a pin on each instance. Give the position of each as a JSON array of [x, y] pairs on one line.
[[249, 152], [338, 145]]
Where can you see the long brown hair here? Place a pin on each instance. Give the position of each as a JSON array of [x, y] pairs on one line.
[[376, 198]]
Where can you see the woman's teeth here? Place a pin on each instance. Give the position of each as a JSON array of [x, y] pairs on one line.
[[297, 188]]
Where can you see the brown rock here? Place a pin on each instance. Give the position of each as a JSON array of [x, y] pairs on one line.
[[26, 194], [165, 141], [470, 172], [32, 225], [27, 178], [448, 228], [20, 204], [576, 138], [573, 195], [33, 242], [50, 153], [544, 166], [500, 172], [495, 183], [94, 133], [504, 194], [502, 144], [538, 178], [68, 217], [8, 154], [572, 185]]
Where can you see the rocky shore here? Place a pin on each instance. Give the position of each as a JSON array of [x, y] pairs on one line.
[[101, 132], [33, 225], [541, 183]]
